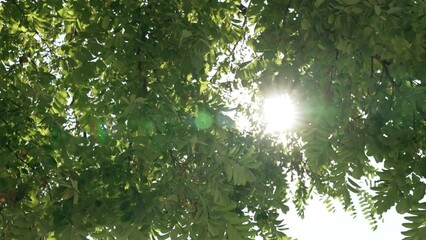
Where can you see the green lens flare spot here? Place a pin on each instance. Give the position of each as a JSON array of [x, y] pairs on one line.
[[147, 126], [101, 133], [203, 120]]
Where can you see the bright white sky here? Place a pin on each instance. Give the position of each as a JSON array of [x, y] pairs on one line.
[[319, 224]]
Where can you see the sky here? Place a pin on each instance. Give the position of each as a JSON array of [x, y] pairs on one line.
[[319, 224]]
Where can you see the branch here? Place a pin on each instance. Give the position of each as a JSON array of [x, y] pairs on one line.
[[385, 70], [385, 65], [7, 124], [20, 155]]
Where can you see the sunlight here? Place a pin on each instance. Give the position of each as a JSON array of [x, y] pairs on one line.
[[279, 113]]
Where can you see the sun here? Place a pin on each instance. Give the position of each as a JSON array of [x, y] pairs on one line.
[[279, 113]]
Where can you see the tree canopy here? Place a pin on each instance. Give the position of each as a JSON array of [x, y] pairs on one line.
[[116, 116]]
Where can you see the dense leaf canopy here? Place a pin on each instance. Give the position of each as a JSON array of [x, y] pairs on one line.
[[114, 115]]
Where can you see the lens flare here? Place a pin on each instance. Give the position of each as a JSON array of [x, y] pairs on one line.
[[279, 113], [203, 120]]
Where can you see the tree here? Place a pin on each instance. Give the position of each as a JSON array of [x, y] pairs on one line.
[[114, 122]]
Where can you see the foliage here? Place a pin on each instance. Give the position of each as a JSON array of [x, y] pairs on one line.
[[114, 122]]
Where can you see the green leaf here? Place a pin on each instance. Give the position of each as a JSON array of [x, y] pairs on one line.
[[105, 22], [233, 218], [377, 10], [185, 33], [233, 233], [419, 191], [318, 3], [350, 2], [203, 86], [402, 206], [306, 25]]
